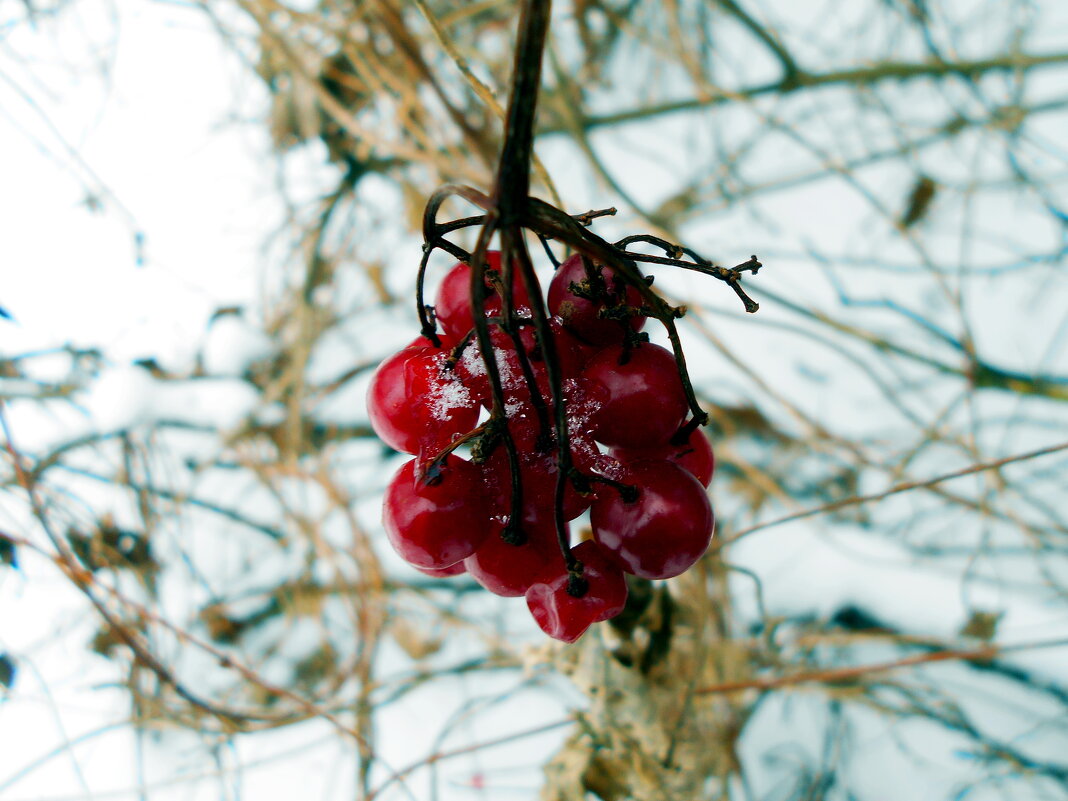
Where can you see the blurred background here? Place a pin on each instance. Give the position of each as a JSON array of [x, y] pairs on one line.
[[208, 240]]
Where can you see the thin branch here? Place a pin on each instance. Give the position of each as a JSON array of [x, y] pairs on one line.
[[981, 654], [897, 489], [861, 76]]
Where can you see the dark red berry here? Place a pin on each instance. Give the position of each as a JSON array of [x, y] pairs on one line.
[[453, 302], [438, 519], [661, 534], [443, 572], [509, 570], [538, 472], [640, 401], [582, 312], [471, 368], [694, 454], [572, 351], [565, 617], [417, 404]]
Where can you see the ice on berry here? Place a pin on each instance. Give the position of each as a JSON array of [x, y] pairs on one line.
[[447, 396]]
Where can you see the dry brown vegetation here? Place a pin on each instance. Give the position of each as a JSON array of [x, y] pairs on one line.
[[928, 129]]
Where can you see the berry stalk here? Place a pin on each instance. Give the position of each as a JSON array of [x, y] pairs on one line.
[[623, 393]]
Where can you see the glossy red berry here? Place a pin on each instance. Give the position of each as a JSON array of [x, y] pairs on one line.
[[586, 456], [443, 572], [417, 404], [582, 315], [538, 472], [565, 617], [621, 400], [471, 368], [572, 352], [509, 570], [453, 301], [661, 534], [438, 519], [693, 454], [640, 395]]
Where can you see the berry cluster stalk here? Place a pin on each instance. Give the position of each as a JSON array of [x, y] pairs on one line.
[[510, 210], [507, 214]]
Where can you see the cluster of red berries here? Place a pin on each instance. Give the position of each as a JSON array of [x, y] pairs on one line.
[[633, 461]]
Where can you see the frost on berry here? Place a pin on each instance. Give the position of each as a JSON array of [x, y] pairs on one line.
[[446, 396], [417, 404]]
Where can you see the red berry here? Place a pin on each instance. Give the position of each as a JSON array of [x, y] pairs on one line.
[[694, 455], [453, 302], [581, 314], [572, 351], [436, 520], [443, 572], [416, 403], [642, 402], [661, 534], [538, 472], [471, 368], [565, 617], [509, 570], [585, 455]]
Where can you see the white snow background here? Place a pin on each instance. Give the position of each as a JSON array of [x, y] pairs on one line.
[[179, 232]]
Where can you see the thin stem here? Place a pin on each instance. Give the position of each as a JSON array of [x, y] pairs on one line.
[[475, 432], [489, 358], [513, 173], [510, 323], [427, 324], [551, 221], [731, 276], [547, 344], [857, 500], [627, 492], [511, 200]]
